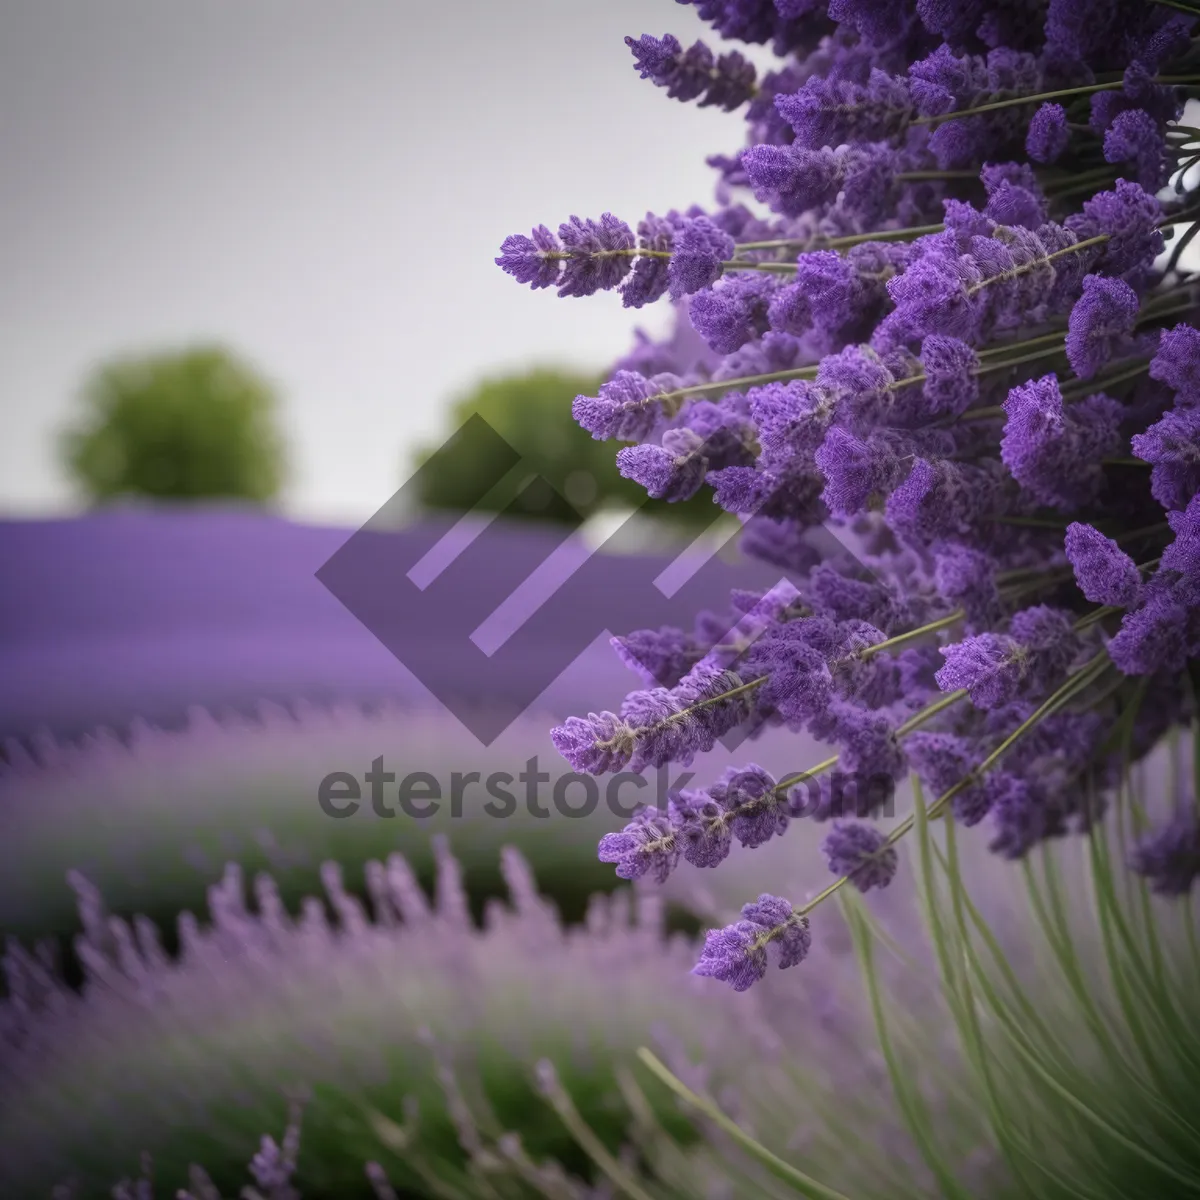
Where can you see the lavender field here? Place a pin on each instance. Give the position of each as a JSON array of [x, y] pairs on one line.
[[177, 684], [143, 613]]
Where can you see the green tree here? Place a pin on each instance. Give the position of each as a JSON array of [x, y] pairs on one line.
[[185, 425], [531, 410]]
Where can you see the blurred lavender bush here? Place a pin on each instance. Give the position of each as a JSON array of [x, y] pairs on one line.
[[1048, 1023]]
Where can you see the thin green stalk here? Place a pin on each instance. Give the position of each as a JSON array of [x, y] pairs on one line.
[[1179, 6], [804, 1184], [914, 722], [911, 1104], [1025, 268], [724, 385], [899, 640], [853, 239], [559, 1099], [1016, 1150], [1038, 97], [1081, 387]]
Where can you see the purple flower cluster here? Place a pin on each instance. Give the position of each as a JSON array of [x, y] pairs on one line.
[[956, 339]]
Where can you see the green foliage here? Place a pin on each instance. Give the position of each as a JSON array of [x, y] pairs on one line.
[[532, 412], [186, 425]]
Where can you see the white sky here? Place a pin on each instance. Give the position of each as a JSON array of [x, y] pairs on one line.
[[324, 187]]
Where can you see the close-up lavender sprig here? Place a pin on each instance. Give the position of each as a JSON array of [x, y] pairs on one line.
[[953, 327]]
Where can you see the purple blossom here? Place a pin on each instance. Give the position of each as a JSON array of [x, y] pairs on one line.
[[700, 250], [1173, 446], [758, 812], [857, 469], [673, 471], [1053, 451], [1162, 632], [990, 666], [943, 761], [1177, 363], [940, 500], [738, 954], [792, 417], [1014, 197], [600, 254], [1021, 814], [1100, 324], [967, 577], [869, 748], [862, 853], [1183, 554], [1048, 133], [646, 846], [1104, 572], [703, 829], [649, 277], [528, 259], [1135, 137], [660, 656], [627, 408], [833, 112], [725, 82], [949, 366], [1169, 857], [796, 180], [596, 744], [909, 333], [734, 313], [799, 680], [1128, 217]]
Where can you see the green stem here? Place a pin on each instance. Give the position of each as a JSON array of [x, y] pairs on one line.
[[1179, 6], [725, 385], [915, 176], [900, 639], [1082, 679], [564, 1106], [804, 1184], [1079, 387], [1038, 97], [853, 239], [1025, 268], [914, 722]]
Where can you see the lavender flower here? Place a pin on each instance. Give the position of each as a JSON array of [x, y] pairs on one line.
[[739, 953], [700, 249], [1048, 134], [1100, 324], [1104, 572], [862, 853], [934, 350], [1170, 856], [726, 81], [1177, 363]]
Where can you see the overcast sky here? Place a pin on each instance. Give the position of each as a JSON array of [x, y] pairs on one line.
[[324, 187]]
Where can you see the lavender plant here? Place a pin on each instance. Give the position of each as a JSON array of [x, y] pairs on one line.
[[151, 819], [950, 328], [1038, 1043], [450, 1059]]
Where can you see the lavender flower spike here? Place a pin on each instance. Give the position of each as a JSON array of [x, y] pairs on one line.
[[738, 954], [862, 853]]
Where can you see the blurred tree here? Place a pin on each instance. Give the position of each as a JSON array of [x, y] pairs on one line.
[[182, 425], [532, 412]]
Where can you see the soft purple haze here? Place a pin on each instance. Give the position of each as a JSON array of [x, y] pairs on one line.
[[144, 613]]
